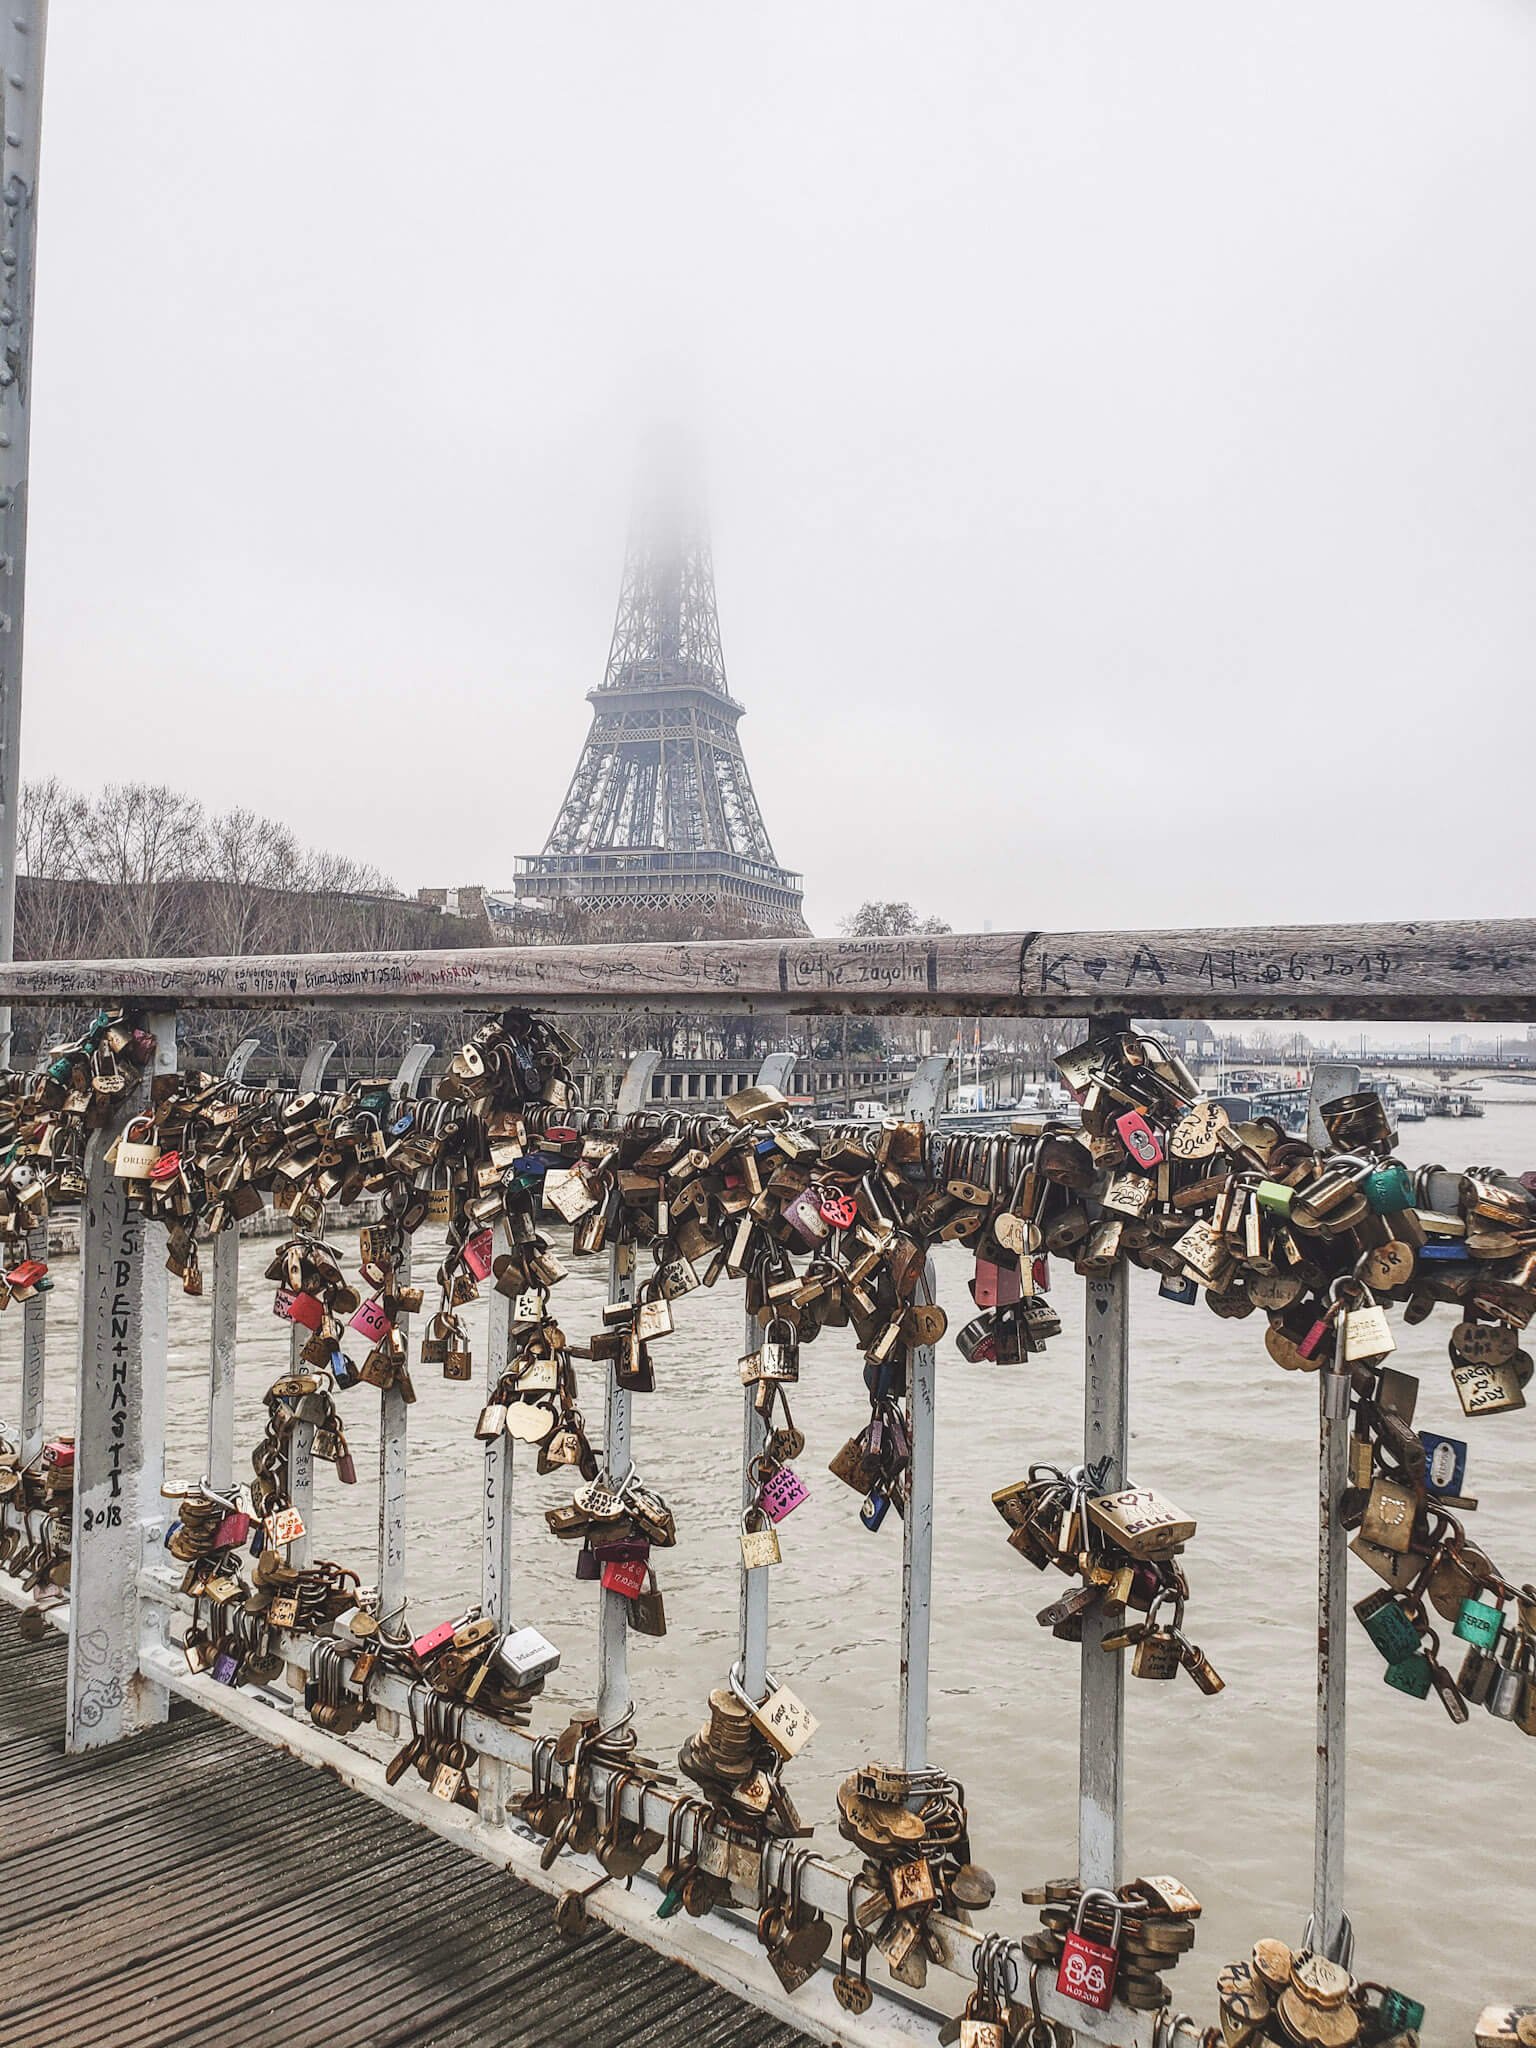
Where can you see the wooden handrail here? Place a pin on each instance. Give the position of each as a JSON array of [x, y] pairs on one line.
[[1473, 971]]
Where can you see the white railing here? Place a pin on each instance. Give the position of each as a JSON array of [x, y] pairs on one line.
[[122, 1603]]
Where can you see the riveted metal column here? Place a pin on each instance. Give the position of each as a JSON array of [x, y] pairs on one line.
[[23, 34]]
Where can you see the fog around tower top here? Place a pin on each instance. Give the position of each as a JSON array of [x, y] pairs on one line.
[[1114, 423]]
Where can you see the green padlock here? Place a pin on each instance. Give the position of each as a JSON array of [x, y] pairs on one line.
[[1400, 2013], [1388, 1626], [1410, 1675], [1275, 1196], [1389, 1188], [1480, 1623]]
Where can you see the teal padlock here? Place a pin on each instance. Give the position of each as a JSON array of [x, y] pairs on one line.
[[1389, 1188], [1399, 2012], [1479, 1622], [1275, 1196], [1410, 1675], [1388, 1627]]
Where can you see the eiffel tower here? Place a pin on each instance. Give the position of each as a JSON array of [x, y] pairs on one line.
[[661, 815]]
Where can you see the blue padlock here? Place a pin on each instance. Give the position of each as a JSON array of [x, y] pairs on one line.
[[876, 1506], [1445, 1462], [1182, 1290]]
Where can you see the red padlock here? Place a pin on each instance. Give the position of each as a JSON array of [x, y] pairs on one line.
[[1087, 1969], [166, 1167], [623, 1577], [1139, 1138], [433, 1639], [60, 1452], [478, 1253], [838, 1209], [302, 1308], [996, 1286], [27, 1274]]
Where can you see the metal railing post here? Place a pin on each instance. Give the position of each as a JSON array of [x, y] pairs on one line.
[[1329, 1930], [612, 1608], [926, 1086], [301, 1445], [1101, 1703], [496, 1531], [394, 1410], [775, 1072], [23, 35], [224, 1321], [119, 1439], [34, 1354], [917, 1549]]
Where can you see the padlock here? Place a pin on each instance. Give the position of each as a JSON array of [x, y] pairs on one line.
[[1139, 1138], [782, 1493], [625, 1576], [370, 1321], [1445, 1462], [1087, 1969], [305, 1309], [136, 1150], [479, 1253], [1480, 1622], [759, 1545], [524, 1656], [1388, 1625]]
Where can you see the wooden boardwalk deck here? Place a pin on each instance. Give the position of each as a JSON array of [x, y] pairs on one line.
[[192, 1886]]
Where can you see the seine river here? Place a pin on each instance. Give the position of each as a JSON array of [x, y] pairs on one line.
[[1219, 1789]]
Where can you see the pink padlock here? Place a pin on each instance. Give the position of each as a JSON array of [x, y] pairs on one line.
[[1139, 1138], [434, 1639], [305, 1309], [624, 1576], [232, 1531], [371, 1321], [478, 1253], [782, 1494]]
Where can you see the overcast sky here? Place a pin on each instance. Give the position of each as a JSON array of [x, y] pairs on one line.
[[1118, 422]]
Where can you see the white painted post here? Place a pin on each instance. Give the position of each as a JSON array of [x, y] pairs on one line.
[[23, 34], [223, 1325], [1101, 1703], [926, 1085], [394, 1410], [119, 1440], [1329, 1931], [34, 1351], [496, 1533], [775, 1072], [917, 1550], [225, 1288], [301, 1445], [612, 1608]]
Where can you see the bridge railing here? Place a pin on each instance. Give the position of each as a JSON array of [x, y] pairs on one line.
[[122, 1605]]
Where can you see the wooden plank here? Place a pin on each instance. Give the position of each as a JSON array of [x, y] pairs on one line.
[[1466, 970]]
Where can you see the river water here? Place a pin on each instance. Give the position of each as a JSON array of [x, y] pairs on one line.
[[1219, 1790]]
